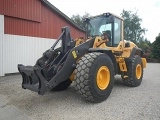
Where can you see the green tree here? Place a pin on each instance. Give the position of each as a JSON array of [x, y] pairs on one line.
[[144, 44], [78, 19], [132, 26], [156, 48]]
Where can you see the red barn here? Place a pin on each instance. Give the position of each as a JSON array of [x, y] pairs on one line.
[[27, 29]]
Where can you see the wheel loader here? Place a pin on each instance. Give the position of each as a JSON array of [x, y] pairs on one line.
[[91, 63]]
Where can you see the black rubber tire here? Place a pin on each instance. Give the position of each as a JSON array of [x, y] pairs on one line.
[[132, 80], [63, 85], [85, 76]]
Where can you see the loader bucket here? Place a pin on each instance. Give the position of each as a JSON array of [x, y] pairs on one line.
[[31, 79]]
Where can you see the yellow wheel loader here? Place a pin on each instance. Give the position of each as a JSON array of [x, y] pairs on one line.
[[92, 63]]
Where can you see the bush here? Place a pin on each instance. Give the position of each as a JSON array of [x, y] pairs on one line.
[[156, 48]]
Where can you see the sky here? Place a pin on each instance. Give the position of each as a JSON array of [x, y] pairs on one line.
[[148, 10]]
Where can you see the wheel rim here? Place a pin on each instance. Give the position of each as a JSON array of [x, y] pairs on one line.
[[138, 71], [103, 77]]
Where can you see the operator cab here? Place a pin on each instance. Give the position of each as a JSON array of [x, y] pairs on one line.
[[108, 24]]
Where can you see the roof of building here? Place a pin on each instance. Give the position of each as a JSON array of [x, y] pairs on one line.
[[52, 7]]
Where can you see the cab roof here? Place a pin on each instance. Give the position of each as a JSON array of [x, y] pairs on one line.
[[106, 14]]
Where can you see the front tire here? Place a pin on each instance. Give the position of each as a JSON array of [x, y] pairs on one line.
[[94, 77]]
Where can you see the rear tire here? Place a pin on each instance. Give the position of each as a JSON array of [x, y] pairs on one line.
[[135, 72], [63, 85], [94, 77]]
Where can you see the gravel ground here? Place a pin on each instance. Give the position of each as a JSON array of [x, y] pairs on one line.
[[124, 103]]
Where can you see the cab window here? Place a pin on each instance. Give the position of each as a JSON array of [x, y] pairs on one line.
[[117, 32]]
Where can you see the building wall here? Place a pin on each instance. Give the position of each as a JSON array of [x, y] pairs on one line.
[[17, 49], [1, 44], [23, 50], [27, 29], [24, 9], [46, 25]]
